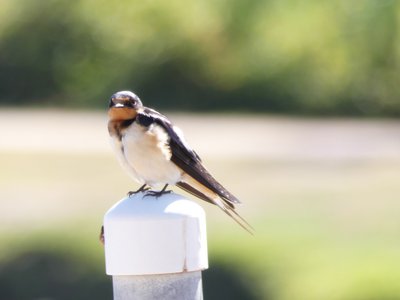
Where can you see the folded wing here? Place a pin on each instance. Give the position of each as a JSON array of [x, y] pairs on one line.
[[196, 179]]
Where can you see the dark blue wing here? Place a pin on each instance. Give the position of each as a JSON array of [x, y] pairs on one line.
[[184, 157]]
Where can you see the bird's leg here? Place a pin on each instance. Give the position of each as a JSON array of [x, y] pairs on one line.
[[159, 193], [143, 188]]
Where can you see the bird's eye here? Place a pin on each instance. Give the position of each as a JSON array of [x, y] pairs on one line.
[[131, 103]]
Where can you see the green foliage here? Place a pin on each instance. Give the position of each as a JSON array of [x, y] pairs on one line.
[[325, 57], [47, 267]]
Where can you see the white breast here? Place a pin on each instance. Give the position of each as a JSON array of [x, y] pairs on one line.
[[147, 155], [118, 148]]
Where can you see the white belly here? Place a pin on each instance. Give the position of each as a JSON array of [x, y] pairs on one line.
[[147, 156], [117, 145]]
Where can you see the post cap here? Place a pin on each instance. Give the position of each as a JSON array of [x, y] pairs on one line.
[[149, 235]]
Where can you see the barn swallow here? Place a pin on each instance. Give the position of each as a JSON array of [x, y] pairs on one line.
[[155, 153]]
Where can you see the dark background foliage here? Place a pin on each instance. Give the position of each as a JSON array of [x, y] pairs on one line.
[[308, 57]]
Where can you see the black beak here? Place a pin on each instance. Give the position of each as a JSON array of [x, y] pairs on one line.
[[119, 102], [125, 99]]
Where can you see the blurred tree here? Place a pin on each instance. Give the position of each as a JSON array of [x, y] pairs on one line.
[[47, 275], [313, 57], [37, 50]]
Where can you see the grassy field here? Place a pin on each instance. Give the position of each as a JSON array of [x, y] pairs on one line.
[[323, 196]]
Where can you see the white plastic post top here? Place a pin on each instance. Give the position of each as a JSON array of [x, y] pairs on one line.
[[149, 235]]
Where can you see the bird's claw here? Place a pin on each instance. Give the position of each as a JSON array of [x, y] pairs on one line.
[[157, 194], [141, 189], [130, 193]]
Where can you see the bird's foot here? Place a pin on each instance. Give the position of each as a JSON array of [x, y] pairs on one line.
[[143, 188], [158, 193]]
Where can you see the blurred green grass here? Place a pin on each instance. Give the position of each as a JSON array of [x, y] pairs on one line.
[[324, 229]]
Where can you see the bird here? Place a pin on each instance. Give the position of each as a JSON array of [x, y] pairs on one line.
[[155, 153]]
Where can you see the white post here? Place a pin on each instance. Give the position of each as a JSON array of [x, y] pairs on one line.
[[156, 248]]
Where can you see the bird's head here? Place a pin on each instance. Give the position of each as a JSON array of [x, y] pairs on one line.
[[124, 106]]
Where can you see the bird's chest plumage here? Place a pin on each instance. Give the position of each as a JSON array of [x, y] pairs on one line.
[[146, 154]]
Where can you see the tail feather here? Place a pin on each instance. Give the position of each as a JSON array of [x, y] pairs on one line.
[[243, 220], [238, 219], [195, 188], [191, 190]]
